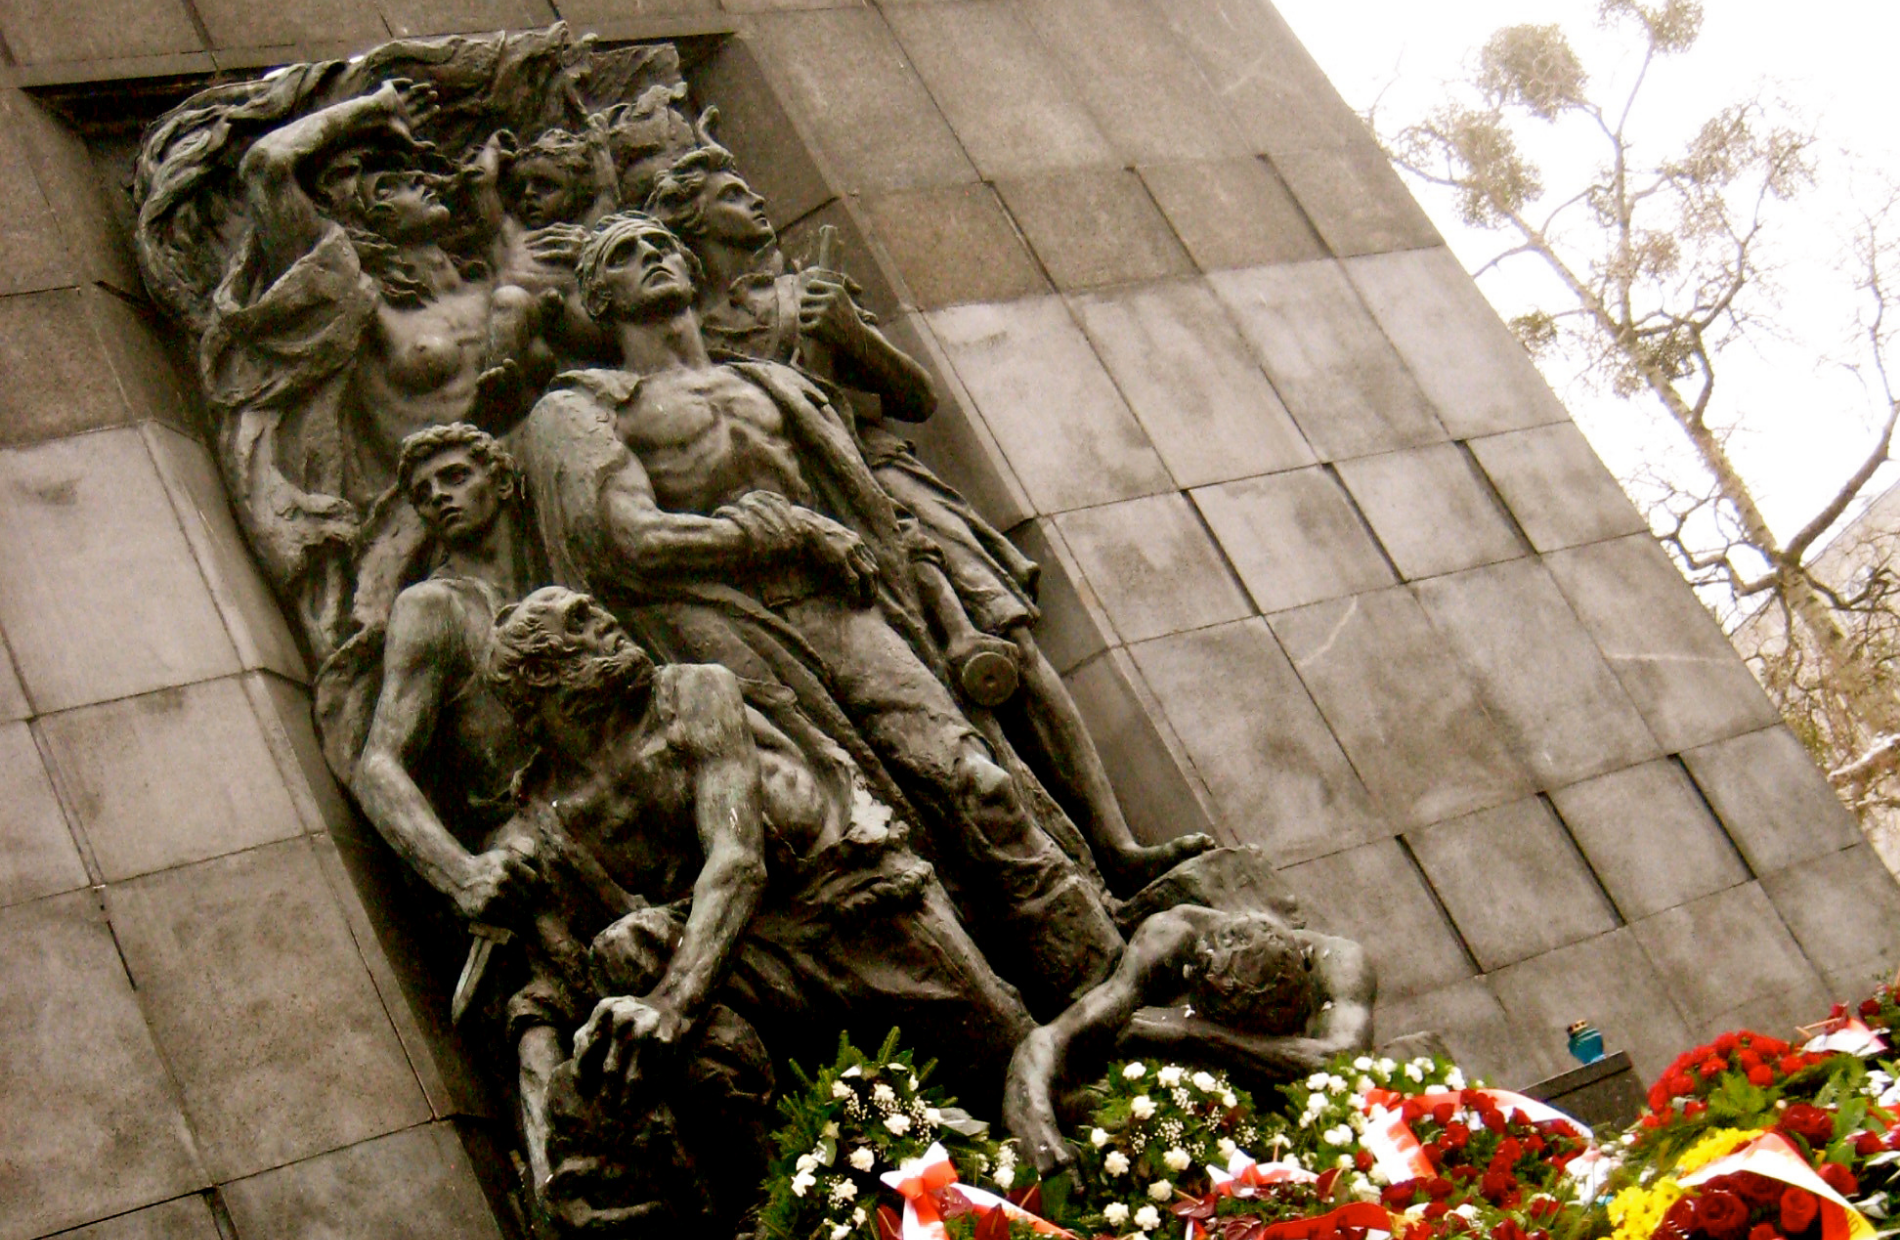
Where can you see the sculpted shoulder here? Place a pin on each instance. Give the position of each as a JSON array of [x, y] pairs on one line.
[[701, 705]]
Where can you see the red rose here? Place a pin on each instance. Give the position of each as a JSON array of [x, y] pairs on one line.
[[1443, 1112], [1764, 1231], [1760, 1192], [1870, 1007], [1761, 1074], [1868, 1143], [1456, 1134], [1712, 1067], [1508, 1229], [1363, 1160], [1790, 1064], [1399, 1195], [1494, 1120], [1798, 1208], [1495, 1184], [1437, 1209], [1693, 1108], [1839, 1178], [1437, 1188], [1509, 1151], [1681, 1218], [1722, 1214], [1809, 1122]]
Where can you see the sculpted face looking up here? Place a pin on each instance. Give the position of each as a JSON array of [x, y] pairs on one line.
[[401, 204], [635, 269]]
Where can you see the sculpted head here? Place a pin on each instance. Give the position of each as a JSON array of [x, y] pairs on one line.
[[632, 267], [559, 654], [551, 181], [703, 198], [458, 478], [1250, 972]]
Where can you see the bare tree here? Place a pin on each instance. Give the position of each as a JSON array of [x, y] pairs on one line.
[[1662, 266]]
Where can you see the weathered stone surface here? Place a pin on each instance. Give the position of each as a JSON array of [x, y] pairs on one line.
[[1013, 109], [1468, 1016], [1470, 365], [13, 703], [1192, 382], [1607, 981], [60, 382], [144, 360], [286, 706], [1757, 980], [407, 18], [1556, 487], [1513, 882], [1407, 716], [1650, 837], [1538, 672], [1431, 510], [954, 442], [1153, 566], [32, 253], [46, 31], [1144, 91], [93, 1125], [182, 1218], [1336, 372], [1777, 807], [1356, 201], [754, 122], [37, 853], [1074, 627], [1047, 401], [413, 1185], [1147, 764], [261, 1004], [252, 616], [1661, 642], [1853, 951], [99, 597], [169, 777], [584, 13], [1392, 914], [1232, 213], [873, 119], [1293, 538], [94, 242], [930, 233], [1093, 228], [1275, 773], [236, 23]]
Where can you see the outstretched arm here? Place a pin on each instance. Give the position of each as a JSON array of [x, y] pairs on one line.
[[862, 357]]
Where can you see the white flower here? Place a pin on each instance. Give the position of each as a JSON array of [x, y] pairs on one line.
[[1363, 1063], [1467, 1211], [840, 1231], [843, 1190], [1116, 1163], [1134, 1071], [1316, 1081], [1335, 1084], [1361, 1085], [883, 1094], [1454, 1079], [840, 1090], [1377, 1175], [1169, 1076], [913, 1085], [1147, 1218], [1098, 1138], [1229, 1100], [933, 1116], [806, 1162], [802, 1181], [1204, 1081], [1343, 1161], [1227, 1148], [853, 1070], [1116, 1213], [858, 1216], [1160, 1190], [1142, 1107], [1386, 1066], [899, 1123], [1004, 1175], [829, 1130], [1177, 1159], [863, 1159], [1411, 1070]]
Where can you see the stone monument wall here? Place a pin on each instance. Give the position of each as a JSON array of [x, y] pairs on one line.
[[1326, 565]]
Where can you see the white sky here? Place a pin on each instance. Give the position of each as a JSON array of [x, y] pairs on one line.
[[1805, 417]]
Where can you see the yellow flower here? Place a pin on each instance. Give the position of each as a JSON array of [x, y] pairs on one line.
[[1716, 1144], [1637, 1211]]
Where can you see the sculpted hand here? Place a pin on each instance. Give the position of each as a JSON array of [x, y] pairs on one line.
[[842, 553], [826, 311], [410, 105], [558, 244], [1028, 1107], [493, 881], [624, 1042]]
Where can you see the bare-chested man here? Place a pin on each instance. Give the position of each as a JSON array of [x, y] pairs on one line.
[[741, 478]]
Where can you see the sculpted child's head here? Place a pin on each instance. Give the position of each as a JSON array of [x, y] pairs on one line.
[[1251, 973], [458, 477], [551, 181], [560, 650]]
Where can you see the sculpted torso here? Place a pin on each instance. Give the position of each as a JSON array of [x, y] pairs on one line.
[[707, 437], [419, 366], [475, 745]]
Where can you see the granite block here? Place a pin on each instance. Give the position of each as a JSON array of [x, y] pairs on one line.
[[284, 709], [1470, 365], [37, 854], [1432, 510], [1356, 201], [251, 612], [1539, 674], [13, 703], [1844, 910], [410, 18], [1232, 213], [1777, 807], [411, 1185], [1049, 404], [954, 442], [1192, 382], [1603, 1091], [850, 251], [59, 379], [1143, 89], [99, 597], [1607, 981], [1390, 912], [144, 353], [1074, 626], [1514, 884], [92, 1121], [49, 31], [1095, 227], [843, 73], [1013, 108], [1152, 565], [594, 12], [1760, 973], [1467, 1015], [262, 1006], [1665, 647], [32, 252], [97, 243], [773, 6], [1293, 538], [182, 1218], [754, 123], [1274, 772], [1407, 716], [1147, 764], [954, 244], [1556, 487], [1332, 366], [239, 23], [170, 777], [1650, 837]]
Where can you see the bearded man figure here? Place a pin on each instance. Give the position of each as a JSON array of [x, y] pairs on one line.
[[706, 881]]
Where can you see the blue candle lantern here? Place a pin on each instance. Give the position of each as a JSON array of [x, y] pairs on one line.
[[1586, 1042]]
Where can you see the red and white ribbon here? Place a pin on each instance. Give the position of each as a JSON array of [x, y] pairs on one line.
[[1773, 1156], [1399, 1155], [1849, 1036], [926, 1184]]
